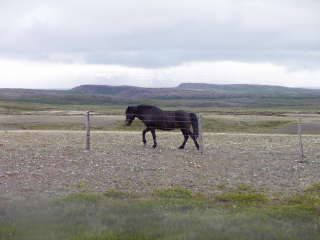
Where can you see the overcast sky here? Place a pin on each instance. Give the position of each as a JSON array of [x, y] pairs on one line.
[[150, 43]]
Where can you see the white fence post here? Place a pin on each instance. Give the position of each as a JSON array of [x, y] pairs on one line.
[[200, 134], [87, 130]]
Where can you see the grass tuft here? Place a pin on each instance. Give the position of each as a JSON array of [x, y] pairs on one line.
[[228, 126], [176, 192], [120, 195], [246, 198]]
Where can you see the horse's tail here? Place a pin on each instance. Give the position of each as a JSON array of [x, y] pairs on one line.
[[194, 121]]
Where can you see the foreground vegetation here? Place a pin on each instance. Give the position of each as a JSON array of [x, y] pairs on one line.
[[173, 213]]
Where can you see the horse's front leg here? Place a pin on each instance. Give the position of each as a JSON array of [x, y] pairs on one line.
[[153, 131], [144, 136]]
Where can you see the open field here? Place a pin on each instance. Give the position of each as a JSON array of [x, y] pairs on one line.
[[250, 182], [239, 148], [246, 185], [46, 164]]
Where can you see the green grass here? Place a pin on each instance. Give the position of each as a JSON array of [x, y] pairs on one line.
[[227, 126], [174, 193], [118, 107], [173, 213], [21, 107], [44, 126], [242, 197], [209, 125]]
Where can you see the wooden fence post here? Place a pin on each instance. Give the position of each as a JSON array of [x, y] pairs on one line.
[[88, 130], [200, 134], [300, 139]]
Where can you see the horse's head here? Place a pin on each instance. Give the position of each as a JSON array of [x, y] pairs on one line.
[[130, 115]]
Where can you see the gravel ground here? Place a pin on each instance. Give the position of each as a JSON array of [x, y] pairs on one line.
[[49, 164]]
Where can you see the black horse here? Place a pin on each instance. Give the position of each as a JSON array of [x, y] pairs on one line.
[[155, 118]]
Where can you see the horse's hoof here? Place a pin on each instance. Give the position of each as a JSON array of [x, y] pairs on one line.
[[154, 146], [181, 147]]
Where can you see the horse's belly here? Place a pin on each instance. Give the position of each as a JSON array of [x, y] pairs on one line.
[[165, 129], [172, 125], [166, 125]]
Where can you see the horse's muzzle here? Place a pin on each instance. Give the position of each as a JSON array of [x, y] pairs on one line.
[[128, 123]]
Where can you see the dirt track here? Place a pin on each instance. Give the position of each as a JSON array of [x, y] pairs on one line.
[[38, 164]]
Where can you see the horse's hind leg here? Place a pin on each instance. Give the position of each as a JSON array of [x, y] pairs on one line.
[[184, 142], [195, 141], [186, 134], [185, 138]]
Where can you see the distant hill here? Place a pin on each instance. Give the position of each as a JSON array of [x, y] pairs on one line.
[[104, 89], [186, 94], [190, 89], [246, 88]]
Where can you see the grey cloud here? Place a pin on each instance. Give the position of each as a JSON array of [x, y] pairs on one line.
[[155, 35]]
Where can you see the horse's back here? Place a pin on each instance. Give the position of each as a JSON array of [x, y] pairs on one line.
[[165, 120], [181, 114]]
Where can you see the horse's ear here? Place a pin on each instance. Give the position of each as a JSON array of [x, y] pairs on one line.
[[130, 109]]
